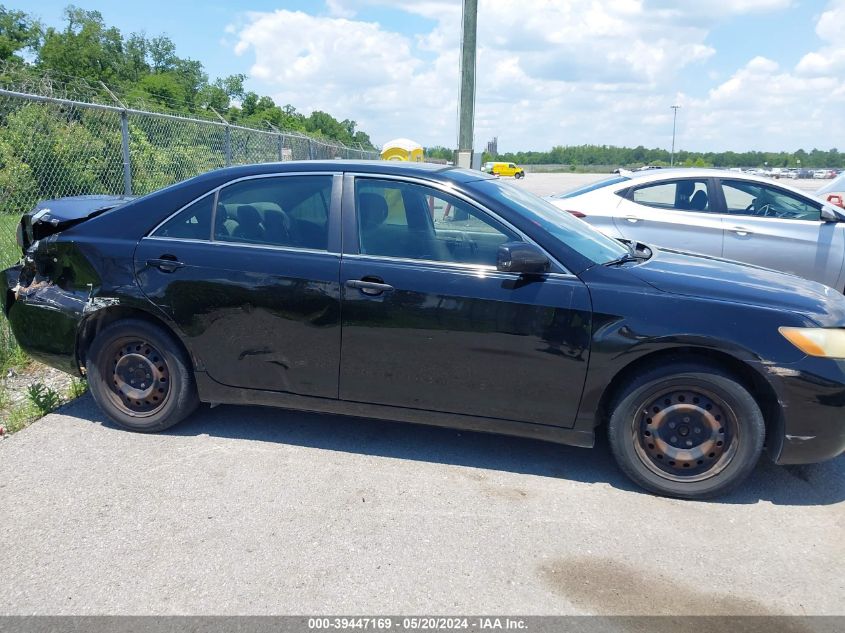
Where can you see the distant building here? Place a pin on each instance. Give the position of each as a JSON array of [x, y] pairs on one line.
[[493, 146]]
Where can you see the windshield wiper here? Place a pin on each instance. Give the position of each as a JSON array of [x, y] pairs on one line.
[[626, 258], [631, 256]]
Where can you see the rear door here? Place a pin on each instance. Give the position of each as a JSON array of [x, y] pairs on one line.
[[772, 227], [676, 213], [257, 297], [429, 323]]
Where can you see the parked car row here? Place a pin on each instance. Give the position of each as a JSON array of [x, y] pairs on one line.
[[349, 287], [793, 173]]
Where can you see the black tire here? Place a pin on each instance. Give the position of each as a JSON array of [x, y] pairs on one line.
[[140, 377], [686, 430], [519, 175]]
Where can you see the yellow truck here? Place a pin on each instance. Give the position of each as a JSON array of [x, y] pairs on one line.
[[503, 169]]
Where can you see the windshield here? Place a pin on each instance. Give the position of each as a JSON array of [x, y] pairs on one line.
[[577, 235], [837, 185], [591, 187]]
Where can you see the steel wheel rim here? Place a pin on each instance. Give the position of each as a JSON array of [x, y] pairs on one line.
[[685, 433], [139, 381]]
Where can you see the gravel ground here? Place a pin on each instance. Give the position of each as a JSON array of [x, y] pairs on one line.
[[16, 381]]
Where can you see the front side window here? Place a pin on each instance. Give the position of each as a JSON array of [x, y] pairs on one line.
[[280, 211], [753, 199], [410, 221], [680, 195]]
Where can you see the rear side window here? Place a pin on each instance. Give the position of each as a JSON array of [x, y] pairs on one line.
[[679, 195], [193, 222], [281, 211]]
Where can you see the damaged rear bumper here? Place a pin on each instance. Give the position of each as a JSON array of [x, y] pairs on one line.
[[44, 319]]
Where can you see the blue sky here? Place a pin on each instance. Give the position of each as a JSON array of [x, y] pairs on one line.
[[749, 74]]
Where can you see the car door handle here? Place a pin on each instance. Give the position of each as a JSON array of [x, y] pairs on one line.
[[741, 231], [165, 264], [632, 219], [372, 288]]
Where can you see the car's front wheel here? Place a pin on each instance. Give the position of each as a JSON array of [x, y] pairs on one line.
[[686, 430], [519, 175], [140, 377]]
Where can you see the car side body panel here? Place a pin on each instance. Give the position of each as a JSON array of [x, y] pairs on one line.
[[257, 318], [463, 341]]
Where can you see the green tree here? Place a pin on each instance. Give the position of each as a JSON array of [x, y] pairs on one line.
[[86, 48], [18, 31]]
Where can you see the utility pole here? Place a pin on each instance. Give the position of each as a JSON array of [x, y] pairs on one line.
[[674, 121], [466, 107]]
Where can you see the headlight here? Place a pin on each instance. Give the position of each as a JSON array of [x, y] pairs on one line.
[[816, 341]]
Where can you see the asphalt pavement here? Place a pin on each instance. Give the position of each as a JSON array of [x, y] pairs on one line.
[[246, 510]]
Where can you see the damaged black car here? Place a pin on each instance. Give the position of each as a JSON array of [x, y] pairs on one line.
[[434, 295]]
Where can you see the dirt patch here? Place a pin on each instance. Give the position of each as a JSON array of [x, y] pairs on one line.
[[607, 587], [506, 492], [15, 404]]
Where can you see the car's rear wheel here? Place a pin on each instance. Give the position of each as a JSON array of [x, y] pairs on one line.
[[140, 377], [686, 430]]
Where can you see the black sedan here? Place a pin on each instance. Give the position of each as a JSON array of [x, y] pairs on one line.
[[435, 295]]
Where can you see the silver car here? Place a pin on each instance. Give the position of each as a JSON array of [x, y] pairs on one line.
[[723, 213]]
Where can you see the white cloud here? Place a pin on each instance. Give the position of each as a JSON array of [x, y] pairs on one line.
[[563, 72], [830, 60]]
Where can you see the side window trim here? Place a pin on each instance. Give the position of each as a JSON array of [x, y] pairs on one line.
[[628, 194], [152, 232], [351, 243], [333, 219]]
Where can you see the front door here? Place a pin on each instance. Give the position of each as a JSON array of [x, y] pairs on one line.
[[771, 227], [257, 297], [429, 323]]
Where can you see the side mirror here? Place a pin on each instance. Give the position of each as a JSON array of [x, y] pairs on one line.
[[522, 258], [829, 215]]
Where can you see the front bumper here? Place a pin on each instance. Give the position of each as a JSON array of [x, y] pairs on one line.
[[811, 424]]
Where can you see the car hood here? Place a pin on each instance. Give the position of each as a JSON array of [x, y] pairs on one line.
[[707, 277]]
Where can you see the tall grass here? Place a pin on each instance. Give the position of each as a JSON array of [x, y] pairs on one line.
[[10, 353]]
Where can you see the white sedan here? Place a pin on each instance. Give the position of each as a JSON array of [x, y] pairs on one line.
[[722, 213]]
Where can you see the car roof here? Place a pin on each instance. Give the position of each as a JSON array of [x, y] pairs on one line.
[[657, 175], [386, 167]]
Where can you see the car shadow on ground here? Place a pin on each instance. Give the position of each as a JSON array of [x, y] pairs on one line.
[[817, 484]]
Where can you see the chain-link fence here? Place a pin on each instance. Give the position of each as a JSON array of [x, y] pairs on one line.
[[52, 147], [62, 136]]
